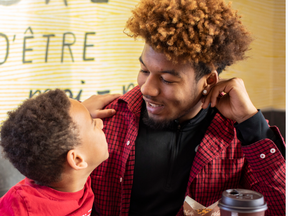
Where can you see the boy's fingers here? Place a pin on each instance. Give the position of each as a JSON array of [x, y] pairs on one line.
[[103, 113], [106, 99], [98, 102]]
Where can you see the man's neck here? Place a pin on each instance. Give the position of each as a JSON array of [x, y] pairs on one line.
[[191, 113]]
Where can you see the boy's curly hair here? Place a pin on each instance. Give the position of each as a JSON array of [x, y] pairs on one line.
[[195, 31], [37, 136]]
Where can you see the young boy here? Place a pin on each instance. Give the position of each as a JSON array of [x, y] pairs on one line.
[[56, 144]]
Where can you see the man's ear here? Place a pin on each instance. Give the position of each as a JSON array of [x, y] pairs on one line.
[[76, 160], [210, 81]]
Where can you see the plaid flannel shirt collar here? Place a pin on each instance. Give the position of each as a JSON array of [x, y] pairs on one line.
[[133, 99]]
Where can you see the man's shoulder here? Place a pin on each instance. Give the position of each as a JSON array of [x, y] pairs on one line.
[[220, 120], [221, 126], [131, 100]]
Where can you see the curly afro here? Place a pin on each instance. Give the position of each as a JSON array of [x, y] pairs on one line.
[[195, 31], [37, 136]]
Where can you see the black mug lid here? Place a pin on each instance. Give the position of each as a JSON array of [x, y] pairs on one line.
[[242, 200]]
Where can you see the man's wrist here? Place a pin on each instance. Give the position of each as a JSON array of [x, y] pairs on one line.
[[253, 129], [247, 116]]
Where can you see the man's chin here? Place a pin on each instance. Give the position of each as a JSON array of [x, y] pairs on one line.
[[156, 123]]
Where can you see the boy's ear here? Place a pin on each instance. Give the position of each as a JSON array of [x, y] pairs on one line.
[[76, 160], [211, 80]]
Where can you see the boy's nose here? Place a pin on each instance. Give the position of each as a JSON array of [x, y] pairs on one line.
[[99, 123]]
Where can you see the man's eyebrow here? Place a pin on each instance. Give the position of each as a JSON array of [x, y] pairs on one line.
[[172, 72]]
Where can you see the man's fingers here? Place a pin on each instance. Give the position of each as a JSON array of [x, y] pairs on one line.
[[215, 93], [215, 96]]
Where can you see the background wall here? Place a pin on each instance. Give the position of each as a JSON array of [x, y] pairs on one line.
[[264, 71], [79, 46], [75, 45]]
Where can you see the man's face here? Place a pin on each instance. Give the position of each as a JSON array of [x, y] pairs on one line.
[[169, 90], [93, 141]]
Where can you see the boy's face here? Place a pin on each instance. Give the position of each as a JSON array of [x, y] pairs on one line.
[[93, 140], [169, 90]]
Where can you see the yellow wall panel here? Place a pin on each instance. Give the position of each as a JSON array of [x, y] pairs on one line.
[[42, 47], [42, 44], [264, 71]]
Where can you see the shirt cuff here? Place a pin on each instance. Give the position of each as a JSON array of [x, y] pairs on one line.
[[254, 129]]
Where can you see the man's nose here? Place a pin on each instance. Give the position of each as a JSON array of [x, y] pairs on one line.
[[151, 86]]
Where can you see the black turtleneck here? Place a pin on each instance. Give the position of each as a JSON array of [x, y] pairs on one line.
[[163, 160]]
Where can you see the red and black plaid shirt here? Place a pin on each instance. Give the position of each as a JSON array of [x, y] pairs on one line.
[[220, 163]]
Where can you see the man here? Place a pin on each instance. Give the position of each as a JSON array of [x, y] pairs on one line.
[[182, 131]]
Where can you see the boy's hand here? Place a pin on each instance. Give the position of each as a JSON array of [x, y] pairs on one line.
[[96, 103], [231, 99]]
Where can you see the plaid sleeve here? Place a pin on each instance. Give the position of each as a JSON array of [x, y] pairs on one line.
[[221, 163], [266, 174]]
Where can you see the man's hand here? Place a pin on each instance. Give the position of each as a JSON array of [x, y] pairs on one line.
[[96, 103], [231, 99]]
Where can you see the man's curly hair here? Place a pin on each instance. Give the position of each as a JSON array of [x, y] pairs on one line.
[[208, 32], [37, 136]]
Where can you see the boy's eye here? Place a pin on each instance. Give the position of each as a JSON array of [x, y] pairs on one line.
[[143, 71]]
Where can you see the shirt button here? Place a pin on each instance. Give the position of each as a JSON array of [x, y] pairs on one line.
[[262, 156], [128, 142], [196, 148], [272, 150], [121, 179]]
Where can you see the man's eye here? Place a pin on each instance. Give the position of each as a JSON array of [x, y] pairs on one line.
[[165, 81]]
